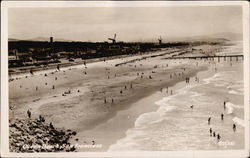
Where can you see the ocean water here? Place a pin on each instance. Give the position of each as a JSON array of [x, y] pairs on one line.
[[175, 126]]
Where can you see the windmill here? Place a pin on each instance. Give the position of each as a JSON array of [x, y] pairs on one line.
[[113, 39], [160, 40]]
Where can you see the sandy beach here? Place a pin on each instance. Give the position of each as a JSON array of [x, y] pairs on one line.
[[102, 101]]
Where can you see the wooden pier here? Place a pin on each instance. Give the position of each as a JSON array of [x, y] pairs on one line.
[[218, 57]]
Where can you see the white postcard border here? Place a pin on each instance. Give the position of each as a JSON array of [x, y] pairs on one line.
[[197, 153]]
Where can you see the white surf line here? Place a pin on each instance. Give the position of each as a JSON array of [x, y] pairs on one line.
[[230, 107], [239, 121]]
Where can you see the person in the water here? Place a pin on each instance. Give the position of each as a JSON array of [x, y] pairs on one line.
[[234, 127]]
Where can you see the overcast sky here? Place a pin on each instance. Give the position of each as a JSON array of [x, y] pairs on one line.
[[130, 24]]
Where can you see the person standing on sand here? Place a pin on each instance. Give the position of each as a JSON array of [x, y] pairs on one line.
[[218, 137], [36, 88], [29, 113], [209, 120], [210, 131], [214, 134], [224, 105], [234, 127], [222, 115]]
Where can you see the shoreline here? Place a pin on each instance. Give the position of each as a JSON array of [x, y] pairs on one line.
[[203, 75], [143, 105], [142, 93]]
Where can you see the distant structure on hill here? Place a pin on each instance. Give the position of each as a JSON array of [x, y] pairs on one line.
[[113, 39], [160, 40]]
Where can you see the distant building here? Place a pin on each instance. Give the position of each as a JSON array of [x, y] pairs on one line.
[[51, 39], [51, 46], [13, 54]]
